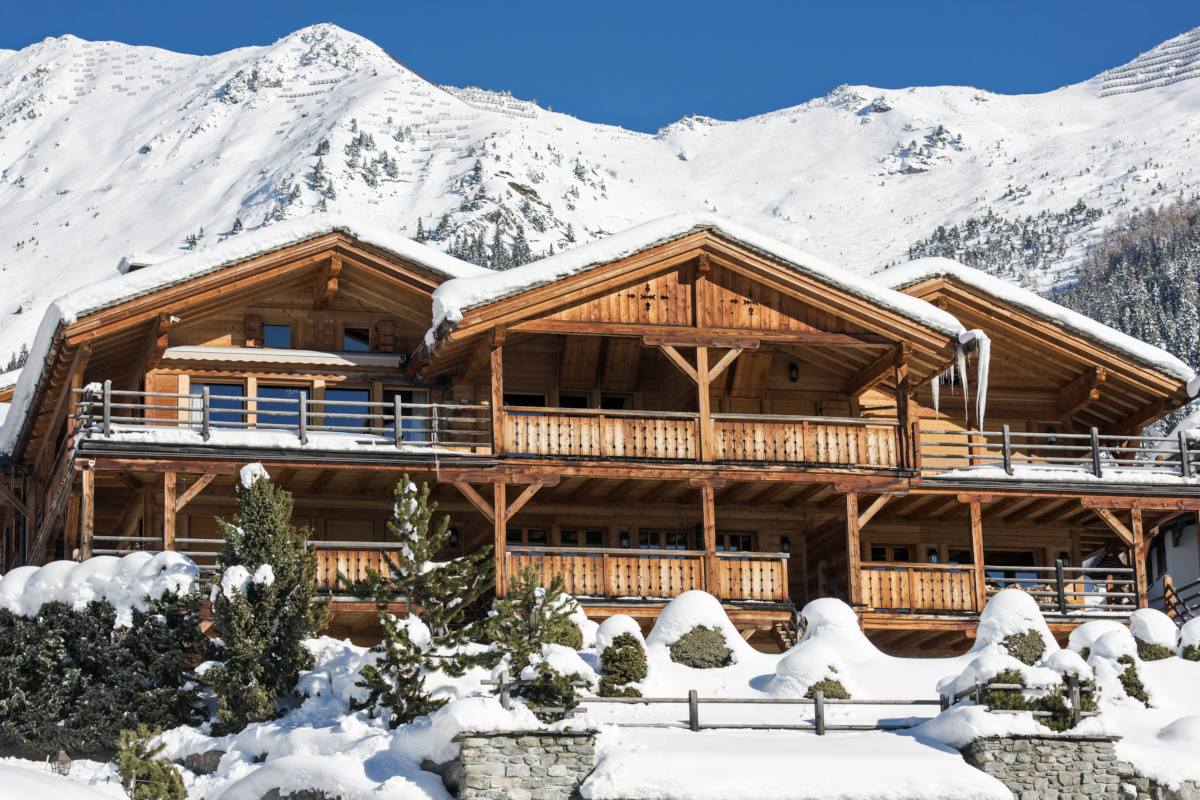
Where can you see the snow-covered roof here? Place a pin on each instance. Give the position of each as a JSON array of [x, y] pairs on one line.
[[68, 308], [453, 298], [902, 275]]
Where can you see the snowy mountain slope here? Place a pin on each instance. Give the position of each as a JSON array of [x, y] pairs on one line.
[[108, 149]]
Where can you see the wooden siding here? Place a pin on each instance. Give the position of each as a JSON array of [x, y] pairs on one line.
[[918, 587]]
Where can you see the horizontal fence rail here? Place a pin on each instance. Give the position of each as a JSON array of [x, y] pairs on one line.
[[104, 411], [1071, 691], [948, 450], [644, 573]]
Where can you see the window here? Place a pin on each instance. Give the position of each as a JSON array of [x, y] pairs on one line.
[[346, 408], [279, 406], [277, 335], [523, 399], [572, 400], [533, 537], [960, 556], [655, 539], [891, 552], [226, 408], [356, 340], [415, 423], [735, 542], [1014, 560], [581, 537], [616, 402]]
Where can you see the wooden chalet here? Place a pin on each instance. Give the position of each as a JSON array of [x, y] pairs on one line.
[[687, 405]]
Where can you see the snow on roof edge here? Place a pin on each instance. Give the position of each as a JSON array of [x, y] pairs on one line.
[[236, 249], [458, 295], [902, 275]]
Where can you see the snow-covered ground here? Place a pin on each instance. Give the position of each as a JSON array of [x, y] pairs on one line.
[[108, 149], [324, 744]]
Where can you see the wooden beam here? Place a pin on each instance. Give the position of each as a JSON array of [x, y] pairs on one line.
[[474, 498], [11, 498], [196, 488], [524, 497], [711, 337], [873, 509], [1144, 503], [1143, 416], [1081, 391], [977, 556], [87, 511], [497, 370], [500, 535], [678, 360], [870, 375], [725, 361], [1139, 558], [327, 282], [66, 401], [908, 448], [853, 550], [156, 344], [168, 535], [708, 516], [704, 404], [1110, 519]]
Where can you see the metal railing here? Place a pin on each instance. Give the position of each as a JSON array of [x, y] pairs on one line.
[[105, 411], [948, 450], [1181, 603], [1071, 690], [1066, 590]]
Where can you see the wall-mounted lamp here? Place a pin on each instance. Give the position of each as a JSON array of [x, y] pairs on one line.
[[793, 372], [785, 544], [454, 537], [623, 539]]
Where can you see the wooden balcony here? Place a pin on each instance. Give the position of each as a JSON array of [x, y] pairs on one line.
[[675, 436], [921, 588], [622, 574]]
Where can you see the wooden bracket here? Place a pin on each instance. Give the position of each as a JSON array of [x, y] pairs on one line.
[[523, 498], [872, 374], [327, 282], [715, 483], [156, 344], [1110, 519], [876, 506], [196, 488], [678, 360], [11, 498], [475, 499]]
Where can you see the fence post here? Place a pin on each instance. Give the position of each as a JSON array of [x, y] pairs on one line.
[[1060, 587], [978, 693], [505, 694], [693, 710], [1185, 466], [397, 412], [1096, 468], [1076, 701], [1006, 449], [106, 423], [433, 425], [205, 415], [303, 403], [819, 712]]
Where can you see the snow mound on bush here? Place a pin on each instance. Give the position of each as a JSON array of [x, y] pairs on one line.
[[1185, 730], [805, 664], [1011, 611], [1189, 635], [962, 724], [834, 623], [563, 660], [987, 666], [252, 473], [343, 776], [1154, 627], [1085, 635], [1113, 644], [587, 627], [1068, 662], [432, 738], [696, 609], [21, 782], [613, 627], [126, 583]]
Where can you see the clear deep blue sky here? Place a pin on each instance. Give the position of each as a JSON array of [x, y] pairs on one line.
[[644, 64]]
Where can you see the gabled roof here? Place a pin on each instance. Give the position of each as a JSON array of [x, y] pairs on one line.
[[455, 297], [909, 274]]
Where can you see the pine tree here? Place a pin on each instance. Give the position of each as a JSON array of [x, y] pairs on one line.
[[419, 236], [570, 234], [521, 252], [262, 605], [443, 228], [237, 225], [444, 591], [144, 774], [500, 259], [322, 148]]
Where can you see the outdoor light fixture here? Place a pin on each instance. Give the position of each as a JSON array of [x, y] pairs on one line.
[[793, 372], [61, 763], [785, 544]]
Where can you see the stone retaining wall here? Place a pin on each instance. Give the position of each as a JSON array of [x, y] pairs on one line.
[[521, 765], [1052, 767]]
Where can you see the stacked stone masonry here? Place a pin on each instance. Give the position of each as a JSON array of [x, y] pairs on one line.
[[531, 765]]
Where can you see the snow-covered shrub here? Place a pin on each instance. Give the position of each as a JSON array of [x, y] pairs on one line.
[[1027, 647], [73, 674], [812, 665], [701, 648], [691, 610], [1013, 621], [145, 774], [1114, 659], [1042, 688], [1189, 640], [1155, 633], [1084, 637], [831, 688], [622, 663]]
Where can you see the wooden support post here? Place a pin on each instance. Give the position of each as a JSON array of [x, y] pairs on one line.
[[853, 550], [977, 554], [704, 404], [71, 530], [87, 511], [168, 533], [903, 392], [1139, 557], [499, 528], [497, 365], [708, 515]]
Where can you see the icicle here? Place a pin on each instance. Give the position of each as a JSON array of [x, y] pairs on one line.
[[983, 346], [935, 388], [962, 375]]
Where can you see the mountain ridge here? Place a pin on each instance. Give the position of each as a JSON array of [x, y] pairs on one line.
[[108, 149]]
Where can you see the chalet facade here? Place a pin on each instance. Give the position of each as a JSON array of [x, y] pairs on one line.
[[686, 405]]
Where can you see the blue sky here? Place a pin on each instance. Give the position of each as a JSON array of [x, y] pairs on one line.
[[645, 64]]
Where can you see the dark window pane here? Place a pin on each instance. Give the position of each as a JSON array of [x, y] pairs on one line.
[[356, 340], [616, 402], [900, 554], [224, 407], [513, 536], [572, 401], [878, 553], [415, 423], [595, 538], [960, 556], [568, 537], [277, 336], [279, 405], [647, 539], [342, 416], [519, 399], [677, 540], [535, 535]]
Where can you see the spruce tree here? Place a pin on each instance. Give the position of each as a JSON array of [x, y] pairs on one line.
[[262, 604], [444, 591], [145, 775], [237, 225], [419, 236]]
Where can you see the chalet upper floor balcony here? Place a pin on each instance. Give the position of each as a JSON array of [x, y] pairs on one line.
[[400, 429]]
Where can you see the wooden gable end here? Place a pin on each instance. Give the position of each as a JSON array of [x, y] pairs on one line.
[[730, 299], [662, 299]]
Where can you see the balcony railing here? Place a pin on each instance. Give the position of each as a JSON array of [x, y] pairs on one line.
[[675, 436], [1059, 590], [1005, 453], [302, 421], [613, 573]]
